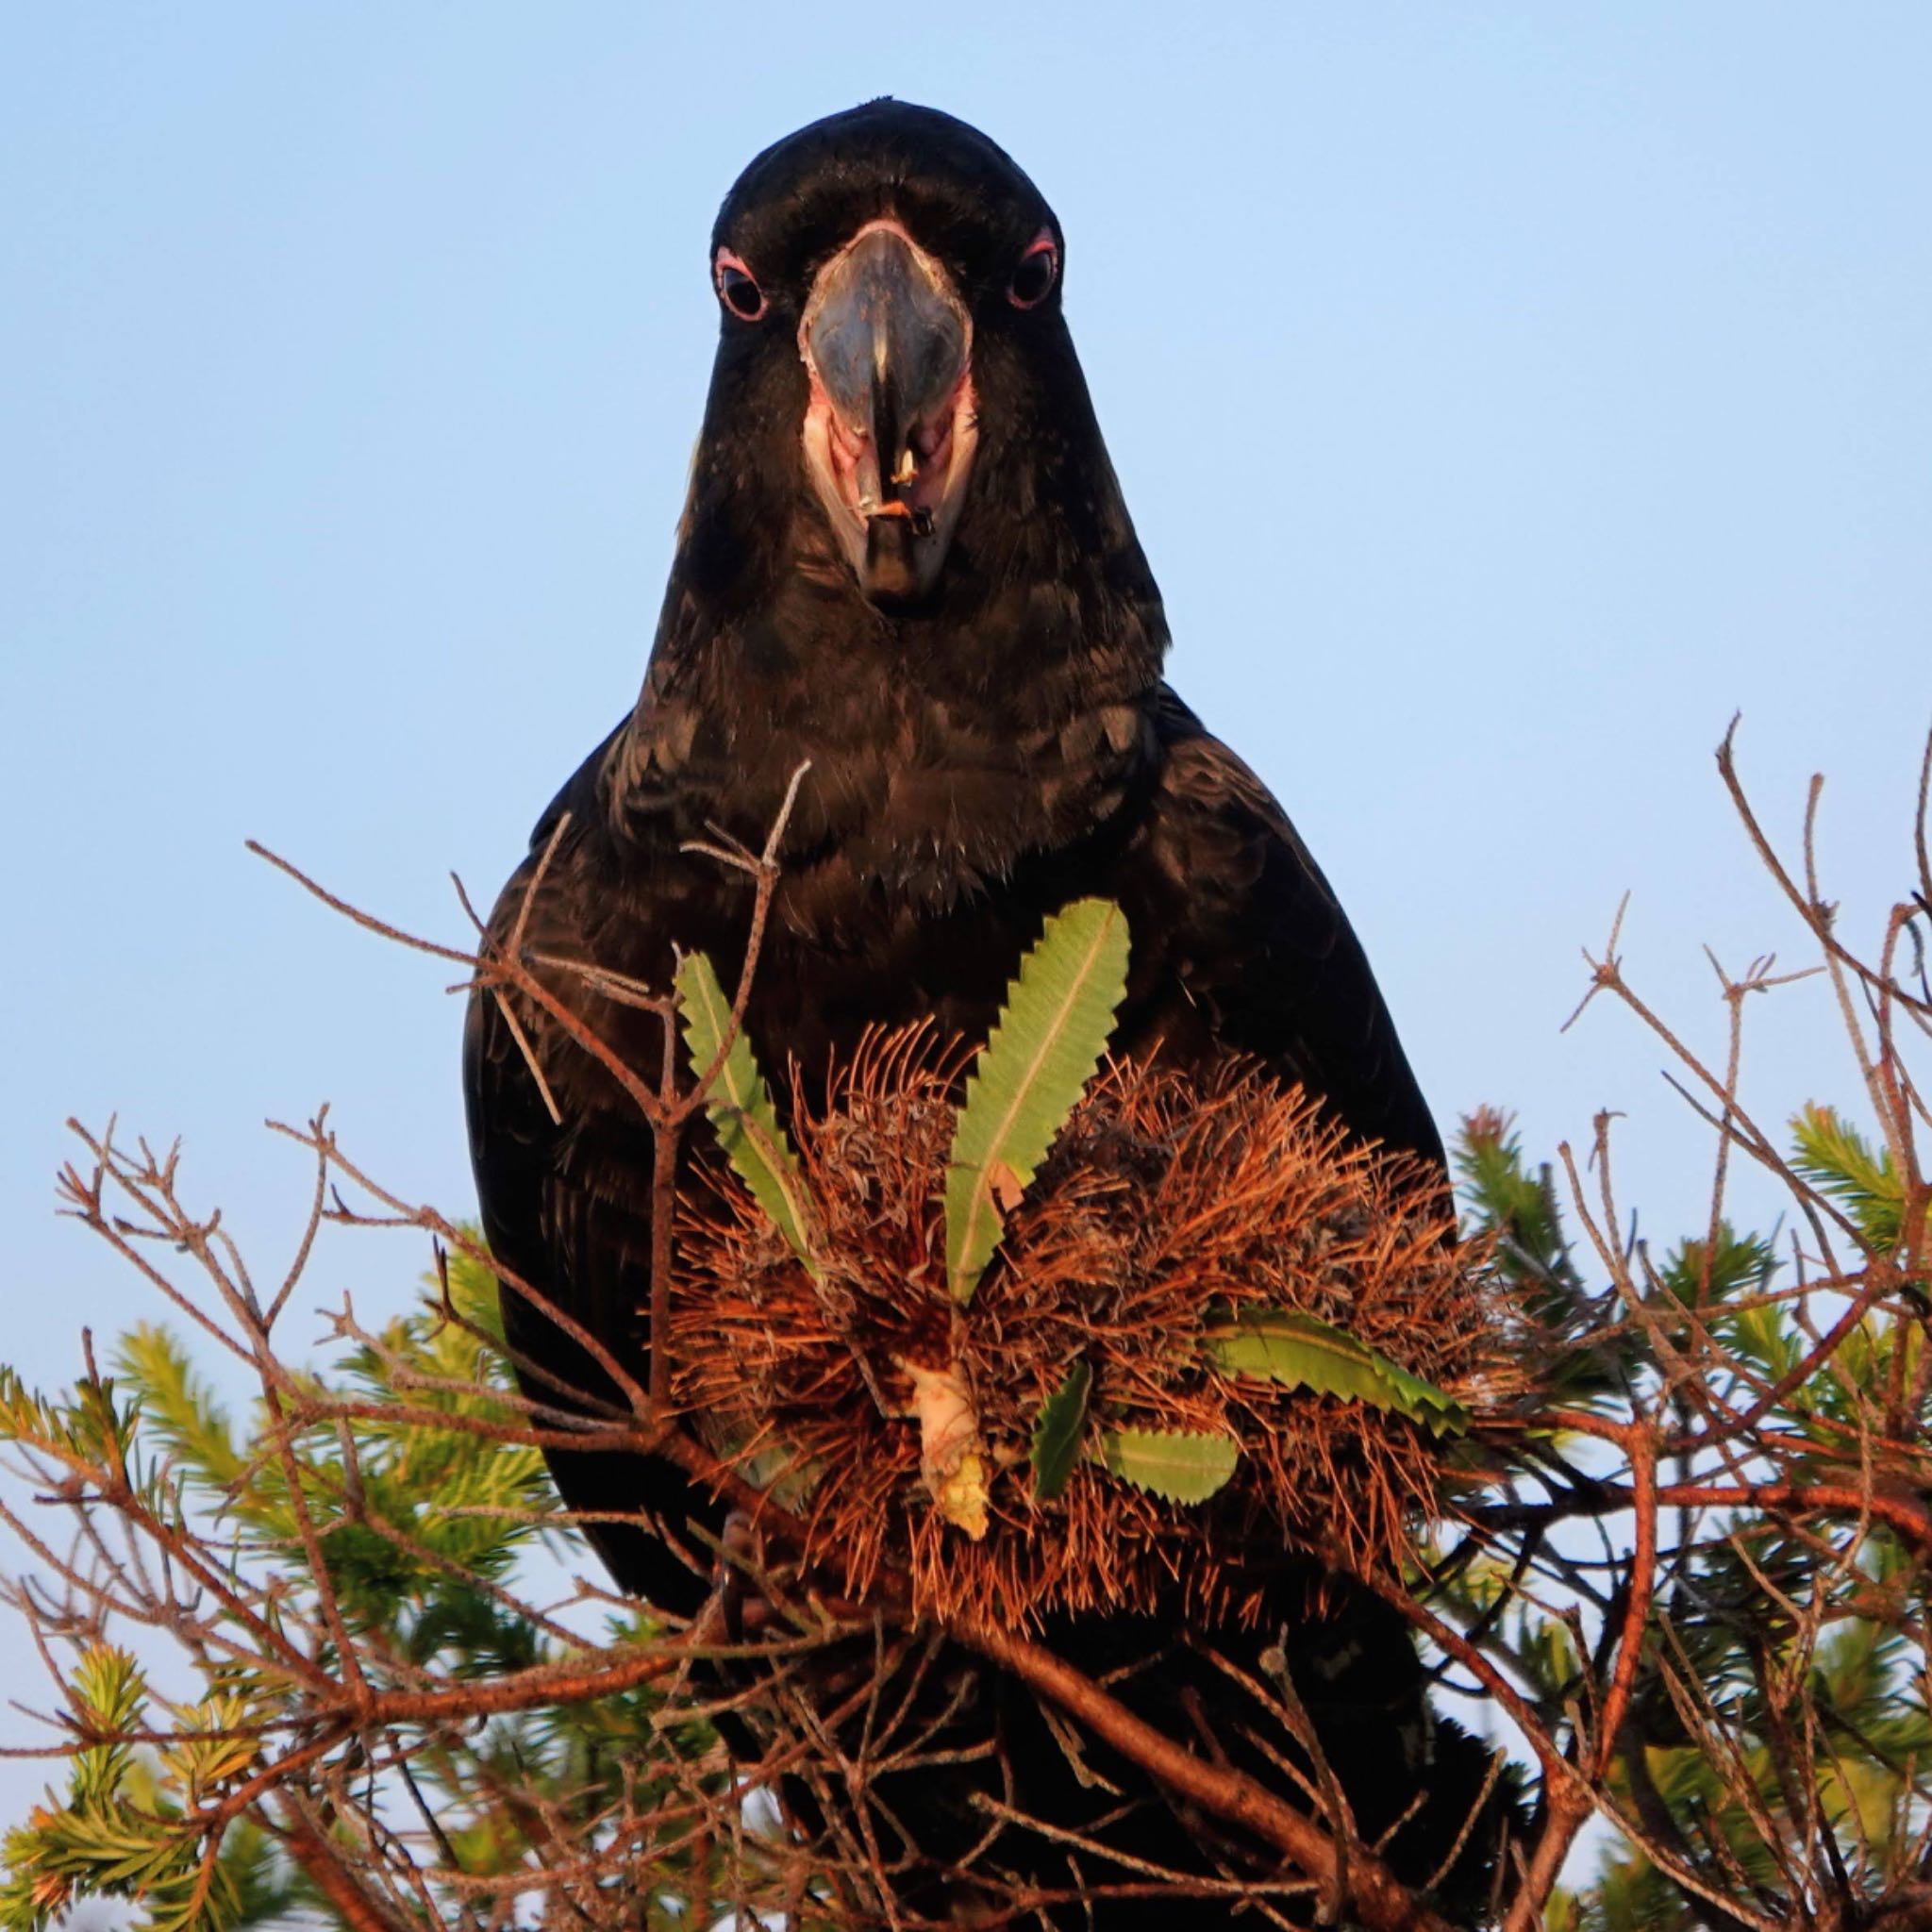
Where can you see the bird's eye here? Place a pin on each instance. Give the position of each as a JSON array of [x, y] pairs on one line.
[[738, 288], [1039, 269]]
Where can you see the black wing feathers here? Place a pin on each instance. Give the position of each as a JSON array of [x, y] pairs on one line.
[[565, 1202], [1264, 953]]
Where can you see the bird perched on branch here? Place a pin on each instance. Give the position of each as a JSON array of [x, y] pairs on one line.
[[906, 560]]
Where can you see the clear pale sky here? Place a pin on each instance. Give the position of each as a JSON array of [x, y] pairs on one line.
[[1505, 395]]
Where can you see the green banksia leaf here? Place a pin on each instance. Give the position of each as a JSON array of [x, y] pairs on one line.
[[1302, 1353], [1051, 1035], [1056, 1433], [1177, 1467], [740, 1106]]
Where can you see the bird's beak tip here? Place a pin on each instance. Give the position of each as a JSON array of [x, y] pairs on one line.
[[889, 429]]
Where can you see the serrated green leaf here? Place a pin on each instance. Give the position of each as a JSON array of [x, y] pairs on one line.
[[1056, 1433], [740, 1106], [1029, 1077], [1175, 1466], [1300, 1352]]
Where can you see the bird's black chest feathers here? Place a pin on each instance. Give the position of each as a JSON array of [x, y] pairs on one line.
[[939, 819]]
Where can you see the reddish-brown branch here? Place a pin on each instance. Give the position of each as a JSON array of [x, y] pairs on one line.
[[664, 1152], [330, 1876], [542, 1687], [1814, 915], [1637, 1609], [1877, 1280], [1906, 1514], [1373, 1896], [1898, 1506]]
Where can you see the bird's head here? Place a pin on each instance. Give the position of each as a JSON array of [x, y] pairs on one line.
[[894, 382]]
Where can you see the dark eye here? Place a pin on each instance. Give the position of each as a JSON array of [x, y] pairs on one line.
[[1038, 271], [738, 288]]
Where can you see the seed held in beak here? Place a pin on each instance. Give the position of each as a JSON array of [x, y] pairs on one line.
[[886, 342]]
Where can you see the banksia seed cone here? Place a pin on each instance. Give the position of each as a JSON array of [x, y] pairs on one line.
[[1167, 1203]]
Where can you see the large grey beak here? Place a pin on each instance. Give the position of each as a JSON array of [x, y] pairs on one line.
[[887, 342]]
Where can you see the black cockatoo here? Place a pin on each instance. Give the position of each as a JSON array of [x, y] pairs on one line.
[[906, 559]]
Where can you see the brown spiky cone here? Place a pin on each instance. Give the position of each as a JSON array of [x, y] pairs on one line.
[[1165, 1203]]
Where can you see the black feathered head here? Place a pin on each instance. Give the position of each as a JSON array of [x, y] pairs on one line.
[[896, 414]]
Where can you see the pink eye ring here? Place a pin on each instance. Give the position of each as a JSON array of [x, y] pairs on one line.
[[738, 288], [1036, 273]]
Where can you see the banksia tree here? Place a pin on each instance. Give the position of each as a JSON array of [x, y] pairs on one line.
[[977, 1338]]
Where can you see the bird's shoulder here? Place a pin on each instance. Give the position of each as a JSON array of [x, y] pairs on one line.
[[1225, 849], [1249, 942], [584, 896]]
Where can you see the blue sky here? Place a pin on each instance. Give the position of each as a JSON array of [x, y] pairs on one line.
[[1504, 395]]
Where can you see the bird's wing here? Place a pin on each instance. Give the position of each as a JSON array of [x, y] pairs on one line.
[[1257, 948], [565, 1204]]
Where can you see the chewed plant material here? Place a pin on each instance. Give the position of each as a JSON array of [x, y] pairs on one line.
[[1211, 1326]]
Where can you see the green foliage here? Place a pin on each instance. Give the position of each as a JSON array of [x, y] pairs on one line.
[[1030, 1074], [1056, 1433], [1701, 1275], [1520, 1209], [738, 1106], [1299, 1351], [1581, 1360], [1172, 1464], [408, 1511], [1864, 1181], [122, 1831], [1873, 1731], [1708, 1306], [88, 1428], [419, 1520], [1769, 1680]]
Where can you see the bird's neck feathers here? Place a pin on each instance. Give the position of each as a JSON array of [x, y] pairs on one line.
[[1024, 684]]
